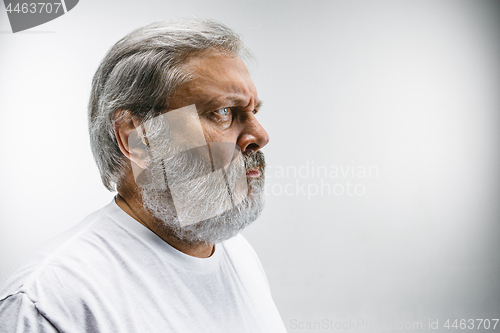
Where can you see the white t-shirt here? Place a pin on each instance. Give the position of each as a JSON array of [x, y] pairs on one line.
[[112, 274]]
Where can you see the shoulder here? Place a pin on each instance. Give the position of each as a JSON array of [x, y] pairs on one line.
[[54, 260], [72, 273], [19, 314]]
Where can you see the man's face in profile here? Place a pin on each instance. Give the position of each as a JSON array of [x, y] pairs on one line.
[[212, 169]]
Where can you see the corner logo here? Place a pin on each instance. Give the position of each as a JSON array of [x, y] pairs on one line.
[[28, 14]]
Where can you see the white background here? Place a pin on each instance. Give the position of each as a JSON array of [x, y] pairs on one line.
[[409, 88]]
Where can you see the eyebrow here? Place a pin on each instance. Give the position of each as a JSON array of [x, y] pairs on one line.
[[237, 100]]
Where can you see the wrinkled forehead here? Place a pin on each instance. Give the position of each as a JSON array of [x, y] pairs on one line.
[[215, 76], [213, 62]]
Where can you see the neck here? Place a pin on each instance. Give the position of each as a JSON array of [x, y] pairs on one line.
[[130, 205]]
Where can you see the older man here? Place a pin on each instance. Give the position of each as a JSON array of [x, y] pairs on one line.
[[173, 128]]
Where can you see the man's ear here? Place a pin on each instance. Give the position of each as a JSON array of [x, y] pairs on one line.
[[129, 135]]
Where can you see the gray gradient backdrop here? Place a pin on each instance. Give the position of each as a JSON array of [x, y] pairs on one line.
[[408, 90]]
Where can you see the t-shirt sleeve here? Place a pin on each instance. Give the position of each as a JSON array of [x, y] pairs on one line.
[[19, 314]]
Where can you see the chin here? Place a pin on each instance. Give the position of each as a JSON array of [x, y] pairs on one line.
[[211, 230]]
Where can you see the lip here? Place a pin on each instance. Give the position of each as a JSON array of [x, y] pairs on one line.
[[253, 173]]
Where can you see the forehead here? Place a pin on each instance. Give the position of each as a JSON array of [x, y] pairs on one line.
[[218, 79]]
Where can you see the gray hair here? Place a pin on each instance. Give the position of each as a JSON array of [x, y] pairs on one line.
[[139, 74]]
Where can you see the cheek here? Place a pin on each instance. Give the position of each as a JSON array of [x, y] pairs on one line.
[[213, 135], [223, 147], [217, 134]]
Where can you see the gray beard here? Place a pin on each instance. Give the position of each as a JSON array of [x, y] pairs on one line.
[[158, 201]]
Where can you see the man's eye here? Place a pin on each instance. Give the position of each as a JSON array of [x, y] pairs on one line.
[[223, 111]]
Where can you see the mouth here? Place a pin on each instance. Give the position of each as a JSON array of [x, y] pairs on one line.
[[253, 173]]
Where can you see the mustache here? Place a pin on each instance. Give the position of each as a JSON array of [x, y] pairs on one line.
[[190, 164], [254, 159]]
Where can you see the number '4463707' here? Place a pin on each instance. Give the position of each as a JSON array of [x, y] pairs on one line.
[[40, 7], [471, 324]]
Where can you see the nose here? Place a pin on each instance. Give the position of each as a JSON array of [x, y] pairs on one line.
[[253, 137]]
